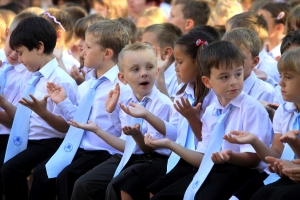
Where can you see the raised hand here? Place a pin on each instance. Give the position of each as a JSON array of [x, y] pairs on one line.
[[134, 130], [57, 52], [239, 137], [135, 110], [186, 109], [290, 136], [156, 143], [275, 165], [75, 74], [37, 106], [112, 99], [56, 92], [221, 157], [260, 74], [162, 63], [273, 105], [293, 172], [90, 126]]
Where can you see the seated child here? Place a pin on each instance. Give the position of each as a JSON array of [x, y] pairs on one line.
[[137, 64], [222, 66], [43, 129], [162, 37]]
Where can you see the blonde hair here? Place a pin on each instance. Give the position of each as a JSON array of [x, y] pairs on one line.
[[244, 36], [293, 14], [136, 47], [290, 61], [225, 10], [152, 15], [115, 8], [36, 10]]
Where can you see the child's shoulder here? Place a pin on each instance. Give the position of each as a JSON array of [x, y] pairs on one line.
[[161, 98]]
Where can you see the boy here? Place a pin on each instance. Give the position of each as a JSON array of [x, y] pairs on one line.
[[222, 67], [258, 24], [44, 127], [185, 14], [104, 40], [248, 41], [163, 36], [11, 72], [137, 63]]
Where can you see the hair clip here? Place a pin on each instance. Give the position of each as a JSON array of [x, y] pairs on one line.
[[55, 21], [205, 43], [198, 42], [280, 15]]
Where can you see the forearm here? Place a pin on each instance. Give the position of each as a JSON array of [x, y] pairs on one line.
[[9, 109], [156, 122], [56, 122], [5, 120], [262, 150], [139, 139], [61, 65], [161, 84], [246, 159], [196, 126], [192, 157], [112, 140]]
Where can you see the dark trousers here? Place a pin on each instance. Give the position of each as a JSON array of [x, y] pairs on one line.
[[93, 184], [222, 181], [47, 189], [284, 188], [179, 171], [3, 142], [15, 171]]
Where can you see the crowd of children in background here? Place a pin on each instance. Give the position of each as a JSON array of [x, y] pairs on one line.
[[150, 99]]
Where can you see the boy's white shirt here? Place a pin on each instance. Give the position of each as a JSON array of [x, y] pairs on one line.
[[275, 52], [160, 105], [278, 96], [38, 128], [247, 116], [13, 78], [171, 80], [258, 89], [269, 66], [69, 61], [98, 115]]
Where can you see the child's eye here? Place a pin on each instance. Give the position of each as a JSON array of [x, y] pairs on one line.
[[288, 77], [135, 69], [150, 67], [224, 77], [238, 74]]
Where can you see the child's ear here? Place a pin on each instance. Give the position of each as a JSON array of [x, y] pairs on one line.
[[255, 61], [167, 52], [121, 77], [206, 82], [157, 72], [59, 35], [189, 24], [109, 53], [6, 33], [40, 48]]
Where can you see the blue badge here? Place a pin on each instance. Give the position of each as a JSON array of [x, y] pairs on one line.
[[195, 184], [68, 147], [17, 140]]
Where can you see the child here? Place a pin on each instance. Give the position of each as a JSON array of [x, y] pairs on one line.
[[186, 52], [222, 66], [44, 127], [79, 31], [92, 149], [63, 25], [293, 19], [275, 13], [285, 117], [185, 14], [163, 36], [130, 28], [137, 63], [259, 25], [249, 43], [11, 72]]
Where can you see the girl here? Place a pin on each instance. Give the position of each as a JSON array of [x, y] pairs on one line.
[[63, 25], [285, 119], [293, 19], [186, 52], [275, 14]]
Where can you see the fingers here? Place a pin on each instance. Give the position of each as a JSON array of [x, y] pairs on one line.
[[271, 159], [296, 161], [124, 108]]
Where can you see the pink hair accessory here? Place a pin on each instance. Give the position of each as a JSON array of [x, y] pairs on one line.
[[280, 15], [198, 42], [55, 20]]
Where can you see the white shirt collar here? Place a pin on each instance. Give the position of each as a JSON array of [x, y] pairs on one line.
[[249, 82], [289, 107], [47, 70], [18, 67], [151, 95], [110, 74], [235, 102]]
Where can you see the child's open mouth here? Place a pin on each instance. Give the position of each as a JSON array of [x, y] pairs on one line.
[[144, 83]]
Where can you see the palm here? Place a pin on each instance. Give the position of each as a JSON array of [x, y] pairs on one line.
[[112, 99], [137, 111], [89, 127], [161, 143], [56, 93]]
